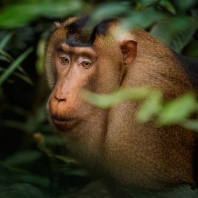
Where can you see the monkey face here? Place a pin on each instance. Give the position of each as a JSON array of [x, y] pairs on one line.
[[74, 68], [79, 58]]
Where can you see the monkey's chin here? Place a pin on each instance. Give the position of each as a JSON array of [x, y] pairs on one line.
[[64, 124]]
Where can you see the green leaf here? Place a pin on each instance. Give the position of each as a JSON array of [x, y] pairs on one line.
[[21, 190], [145, 3], [177, 110], [6, 56], [11, 174], [191, 124], [184, 5], [143, 18], [175, 32], [23, 157], [14, 65], [151, 106], [108, 100], [109, 10], [60, 9], [168, 6], [23, 13], [23, 77], [14, 124], [5, 40]]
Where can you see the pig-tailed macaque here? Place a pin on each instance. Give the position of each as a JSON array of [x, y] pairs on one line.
[[133, 159]]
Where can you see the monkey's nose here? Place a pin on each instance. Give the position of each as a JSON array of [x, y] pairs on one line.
[[59, 99]]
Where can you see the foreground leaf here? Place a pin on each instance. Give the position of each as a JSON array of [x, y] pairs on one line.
[[108, 100], [177, 110], [151, 106]]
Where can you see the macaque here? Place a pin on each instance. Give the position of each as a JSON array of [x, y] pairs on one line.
[[133, 159]]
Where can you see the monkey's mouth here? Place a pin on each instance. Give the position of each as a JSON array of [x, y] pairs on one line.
[[64, 123]]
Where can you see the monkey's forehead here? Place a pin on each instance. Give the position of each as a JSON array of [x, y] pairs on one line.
[[80, 34]]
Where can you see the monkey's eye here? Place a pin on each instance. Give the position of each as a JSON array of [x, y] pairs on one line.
[[64, 60], [86, 64]]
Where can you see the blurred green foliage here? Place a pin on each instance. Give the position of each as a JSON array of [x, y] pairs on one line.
[[32, 159], [176, 111]]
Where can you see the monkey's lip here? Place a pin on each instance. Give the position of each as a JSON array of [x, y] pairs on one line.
[[64, 123]]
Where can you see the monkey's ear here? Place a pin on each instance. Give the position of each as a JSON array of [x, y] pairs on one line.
[[57, 25], [129, 51]]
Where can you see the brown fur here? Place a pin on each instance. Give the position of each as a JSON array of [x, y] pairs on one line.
[[111, 142]]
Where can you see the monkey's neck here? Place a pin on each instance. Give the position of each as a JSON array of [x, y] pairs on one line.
[[89, 153]]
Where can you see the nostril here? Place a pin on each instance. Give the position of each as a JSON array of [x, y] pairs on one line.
[[59, 99]]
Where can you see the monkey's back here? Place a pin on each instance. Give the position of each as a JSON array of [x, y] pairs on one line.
[[155, 158]]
